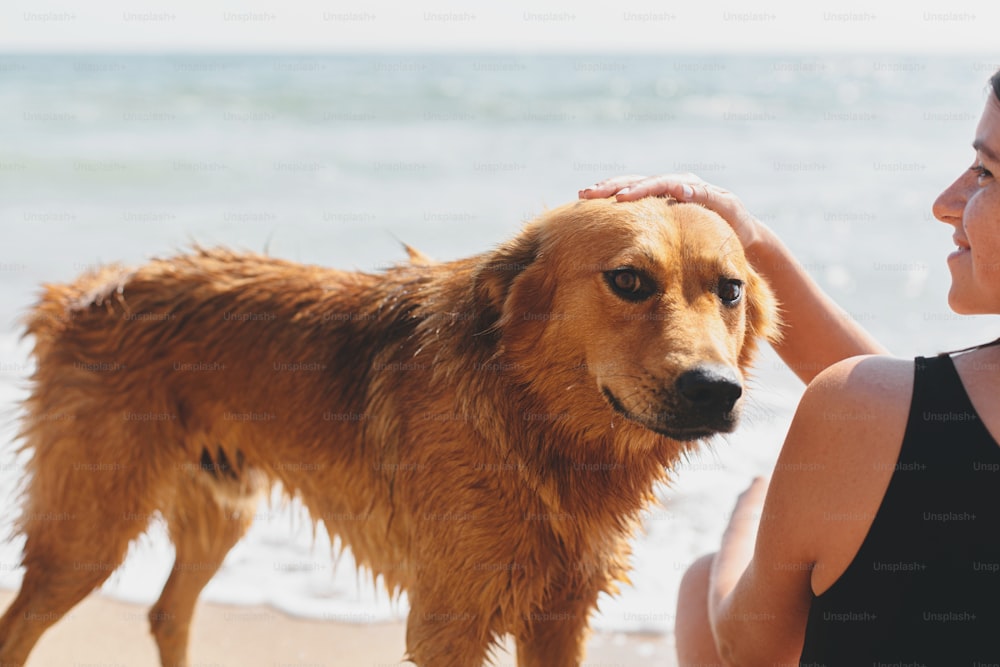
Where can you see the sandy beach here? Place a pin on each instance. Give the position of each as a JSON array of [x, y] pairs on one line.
[[106, 633]]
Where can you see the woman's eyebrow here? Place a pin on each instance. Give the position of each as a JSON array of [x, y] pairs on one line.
[[980, 145]]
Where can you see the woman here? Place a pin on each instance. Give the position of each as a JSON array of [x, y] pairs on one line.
[[879, 534]]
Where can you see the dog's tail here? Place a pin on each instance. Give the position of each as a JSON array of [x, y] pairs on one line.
[[416, 257]]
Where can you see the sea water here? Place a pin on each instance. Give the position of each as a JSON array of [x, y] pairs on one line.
[[337, 159]]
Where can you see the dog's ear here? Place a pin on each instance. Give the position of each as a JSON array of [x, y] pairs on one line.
[[497, 271], [762, 316], [515, 287]]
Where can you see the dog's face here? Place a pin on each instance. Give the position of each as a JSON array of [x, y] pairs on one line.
[[648, 308]]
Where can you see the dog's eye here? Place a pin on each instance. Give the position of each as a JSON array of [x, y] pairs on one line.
[[629, 284], [730, 291]]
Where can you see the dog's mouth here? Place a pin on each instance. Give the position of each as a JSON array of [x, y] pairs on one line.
[[682, 425]]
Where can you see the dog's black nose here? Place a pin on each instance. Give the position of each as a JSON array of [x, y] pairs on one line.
[[710, 388]]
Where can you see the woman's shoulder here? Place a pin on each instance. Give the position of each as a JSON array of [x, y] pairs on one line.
[[861, 399], [850, 410], [839, 456], [863, 381], [858, 397]]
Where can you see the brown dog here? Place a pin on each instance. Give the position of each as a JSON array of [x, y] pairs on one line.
[[483, 433]]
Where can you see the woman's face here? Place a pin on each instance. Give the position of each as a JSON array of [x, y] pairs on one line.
[[972, 206]]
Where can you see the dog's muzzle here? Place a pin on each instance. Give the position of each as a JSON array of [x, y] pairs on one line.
[[700, 403], [709, 389]]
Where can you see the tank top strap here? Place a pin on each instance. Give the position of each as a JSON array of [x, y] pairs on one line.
[[940, 412], [937, 383]]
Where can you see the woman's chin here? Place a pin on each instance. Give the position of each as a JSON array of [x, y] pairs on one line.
[[961, 305], [957, 304]]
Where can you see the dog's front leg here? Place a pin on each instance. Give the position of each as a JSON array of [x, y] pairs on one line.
[[443, 632], [556, 636]]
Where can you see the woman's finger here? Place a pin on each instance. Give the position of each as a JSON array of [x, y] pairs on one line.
[[683, 188], [609, 186], [669, 185]]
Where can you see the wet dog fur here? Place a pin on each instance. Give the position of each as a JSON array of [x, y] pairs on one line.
[[482, 433]]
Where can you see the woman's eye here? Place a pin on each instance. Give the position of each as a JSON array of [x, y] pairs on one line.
[[629, 284], [730, 291], [981, 171]]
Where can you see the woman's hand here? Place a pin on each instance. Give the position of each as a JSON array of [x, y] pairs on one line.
[[750, 503], [817, 332], [683, 188]]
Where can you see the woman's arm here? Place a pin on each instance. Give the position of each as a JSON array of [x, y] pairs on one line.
[[758, 599], [836, 461], [817, 332]]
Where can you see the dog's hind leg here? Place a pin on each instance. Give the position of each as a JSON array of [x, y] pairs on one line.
[[78, 520], [204, 526]]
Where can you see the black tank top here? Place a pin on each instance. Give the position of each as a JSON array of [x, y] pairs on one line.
[[924, 588]]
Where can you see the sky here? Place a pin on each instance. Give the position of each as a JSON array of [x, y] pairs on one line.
[[917, 26]]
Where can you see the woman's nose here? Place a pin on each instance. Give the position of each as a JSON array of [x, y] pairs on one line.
[[950, 204]]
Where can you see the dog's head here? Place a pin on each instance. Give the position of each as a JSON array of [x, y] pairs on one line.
[[647, 308]]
